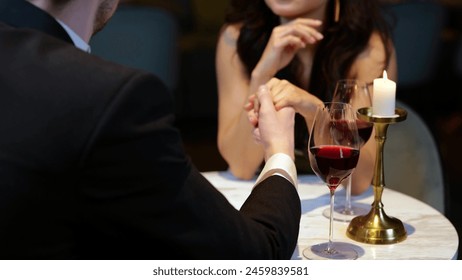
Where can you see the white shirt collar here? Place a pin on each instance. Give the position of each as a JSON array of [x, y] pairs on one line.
[[78, 41]]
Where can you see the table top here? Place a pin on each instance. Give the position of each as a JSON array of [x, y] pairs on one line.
[[430, 235]]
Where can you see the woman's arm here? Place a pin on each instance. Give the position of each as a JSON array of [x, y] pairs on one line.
[[235, 140]]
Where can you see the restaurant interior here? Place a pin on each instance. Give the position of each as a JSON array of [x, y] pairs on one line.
[[429, 48]]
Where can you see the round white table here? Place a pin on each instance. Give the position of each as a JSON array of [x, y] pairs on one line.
[[430, 235]]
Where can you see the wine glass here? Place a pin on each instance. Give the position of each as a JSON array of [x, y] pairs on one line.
[[333, 151], [357, 94]]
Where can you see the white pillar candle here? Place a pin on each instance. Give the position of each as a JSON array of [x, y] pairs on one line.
[[383, 101]]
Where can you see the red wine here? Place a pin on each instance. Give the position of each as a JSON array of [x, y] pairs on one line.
[[333, 163], [364, 130]]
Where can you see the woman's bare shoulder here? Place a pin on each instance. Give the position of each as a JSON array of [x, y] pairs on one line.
[[229, 33]]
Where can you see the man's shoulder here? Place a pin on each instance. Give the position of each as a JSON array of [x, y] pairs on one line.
[[57, 69]]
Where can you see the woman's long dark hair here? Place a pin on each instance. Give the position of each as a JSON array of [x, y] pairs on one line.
[[343, 40]]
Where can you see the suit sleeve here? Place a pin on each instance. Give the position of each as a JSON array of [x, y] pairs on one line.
[[143, 199]]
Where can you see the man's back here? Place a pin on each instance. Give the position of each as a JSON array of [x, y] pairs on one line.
[[56, 121], [91, 166]]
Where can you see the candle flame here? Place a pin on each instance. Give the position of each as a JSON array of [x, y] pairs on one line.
[[385, 75]]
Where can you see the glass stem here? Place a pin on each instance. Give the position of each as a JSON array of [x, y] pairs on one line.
[[348, 210], [330, 246]]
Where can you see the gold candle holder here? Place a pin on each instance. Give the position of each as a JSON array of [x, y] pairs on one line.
[[376, 227]]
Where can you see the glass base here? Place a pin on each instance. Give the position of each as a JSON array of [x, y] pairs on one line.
[[341, 214], [339, 251]]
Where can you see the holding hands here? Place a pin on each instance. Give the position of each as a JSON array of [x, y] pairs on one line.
[[284, 94], [274, 129]]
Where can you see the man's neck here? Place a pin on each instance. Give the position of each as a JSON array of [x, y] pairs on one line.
[[78, 42], [78, 17]]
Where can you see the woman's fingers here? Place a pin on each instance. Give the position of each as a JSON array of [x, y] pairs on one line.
[[252, 114], [299, 28], [282, 92]]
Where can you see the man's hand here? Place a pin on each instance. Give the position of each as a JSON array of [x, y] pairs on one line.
[[273, 129]]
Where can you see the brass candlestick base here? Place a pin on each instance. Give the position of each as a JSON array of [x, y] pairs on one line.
[[376, 227]]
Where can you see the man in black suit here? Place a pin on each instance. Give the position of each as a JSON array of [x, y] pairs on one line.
[[91, 166]]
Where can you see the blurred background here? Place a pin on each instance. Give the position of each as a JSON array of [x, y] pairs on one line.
[[176, 40]]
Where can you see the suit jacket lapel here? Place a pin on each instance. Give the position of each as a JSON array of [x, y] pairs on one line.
[[22, 14]]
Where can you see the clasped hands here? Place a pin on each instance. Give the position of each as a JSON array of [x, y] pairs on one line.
[[272, 128]]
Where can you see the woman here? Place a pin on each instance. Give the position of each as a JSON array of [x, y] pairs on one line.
[[299, 48]]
